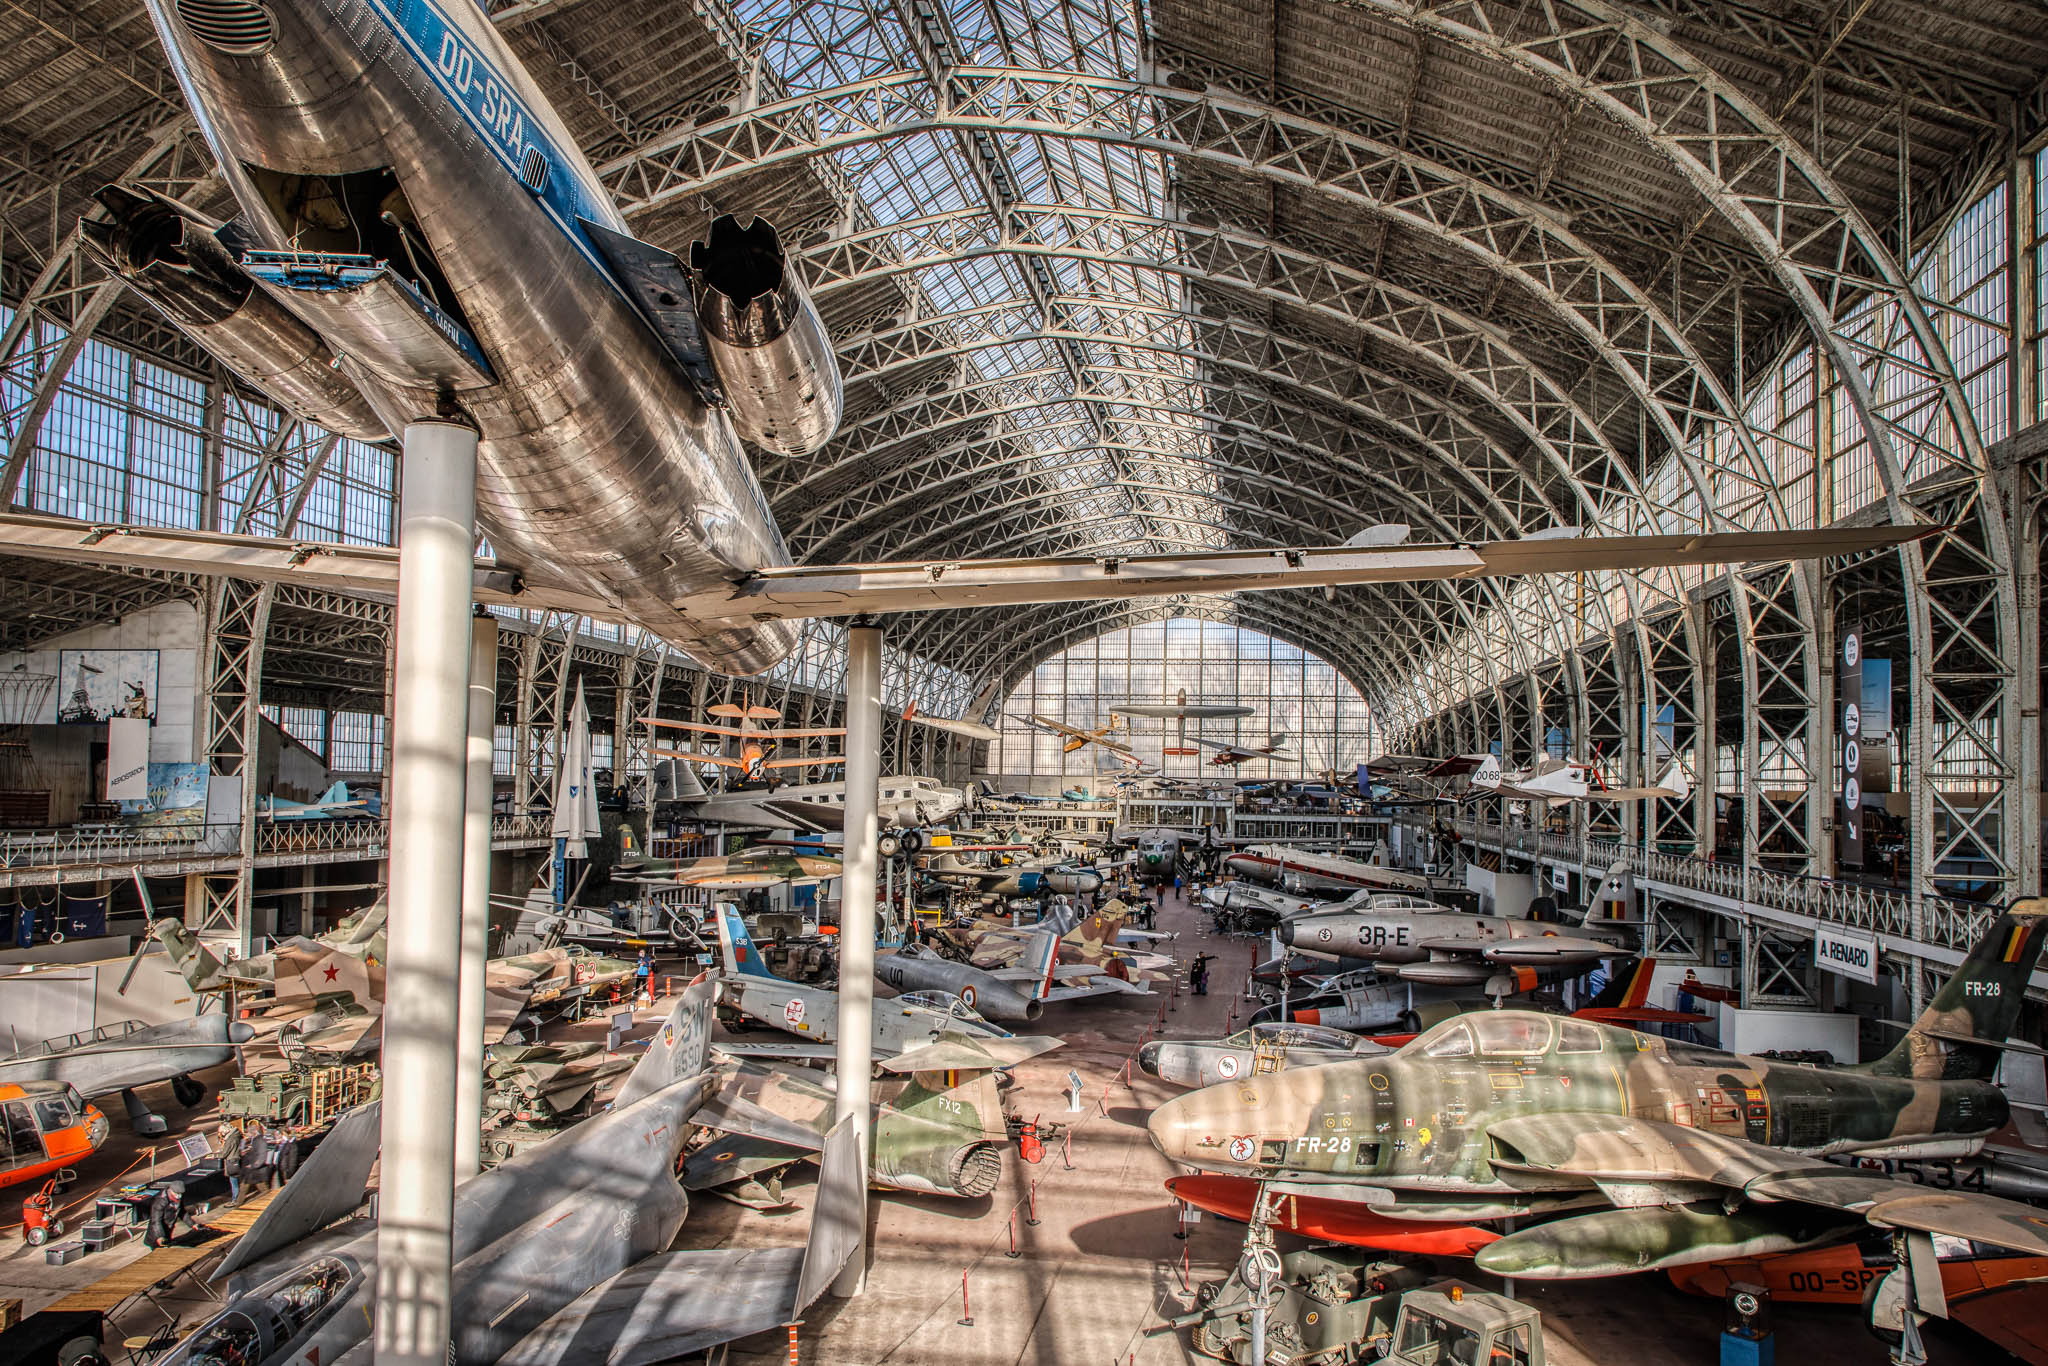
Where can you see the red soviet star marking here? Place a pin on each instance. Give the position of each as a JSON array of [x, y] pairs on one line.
[[332, 972]]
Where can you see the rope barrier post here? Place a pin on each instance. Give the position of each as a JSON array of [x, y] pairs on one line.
[[1180, 1220], [1067, 1149], [966, 1319], [1013, 1253], [1031, 1210], [1187, 1285], [792, 1359]]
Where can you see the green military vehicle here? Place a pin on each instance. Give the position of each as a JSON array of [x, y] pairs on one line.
[[1333, 1306], [299, 1095]]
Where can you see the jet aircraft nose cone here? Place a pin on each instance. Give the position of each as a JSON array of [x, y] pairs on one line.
[[1173, 1129], [1148, 1059], [1286, 932]]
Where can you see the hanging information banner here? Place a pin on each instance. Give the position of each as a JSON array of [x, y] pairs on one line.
[[1846, 953], [1848, 771], [1876, 726], [128, 759]]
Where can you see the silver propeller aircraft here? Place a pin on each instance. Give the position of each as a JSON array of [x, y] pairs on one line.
[[1448, 948], [560, 1253], [123, 1056]]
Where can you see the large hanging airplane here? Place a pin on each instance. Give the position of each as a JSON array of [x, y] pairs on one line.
[[1181, 711], [420, 238], [1233, 755]]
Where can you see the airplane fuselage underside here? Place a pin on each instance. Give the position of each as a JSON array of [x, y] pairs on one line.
[[399, 130]]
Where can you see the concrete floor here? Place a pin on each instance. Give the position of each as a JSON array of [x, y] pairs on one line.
[[1100, 1266]]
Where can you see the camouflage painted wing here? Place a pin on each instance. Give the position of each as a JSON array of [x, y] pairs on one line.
[[964, 1053], [1618, 1150]]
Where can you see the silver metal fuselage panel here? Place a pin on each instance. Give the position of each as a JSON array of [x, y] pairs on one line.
[[597, 459]]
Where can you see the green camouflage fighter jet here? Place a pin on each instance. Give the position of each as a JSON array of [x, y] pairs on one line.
[[1697, 1154], [939, 1126]]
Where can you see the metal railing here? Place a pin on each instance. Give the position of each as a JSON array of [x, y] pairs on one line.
[[1947, 922], [104, 846]]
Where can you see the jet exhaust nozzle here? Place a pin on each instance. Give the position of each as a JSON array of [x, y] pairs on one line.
[[176, 259], [773, 355]]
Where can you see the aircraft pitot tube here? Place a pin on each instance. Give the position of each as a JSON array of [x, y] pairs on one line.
[[773, 355], [172, 257]]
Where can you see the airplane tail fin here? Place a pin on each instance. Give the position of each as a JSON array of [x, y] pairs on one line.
[[1041, 955], [681, 1050], [1609, 901], [737, 954], [1675, 782], [1960, 1033], [1487, 775], [336, 795], [192, 958], [839, 1219], [631, 852], [1628, 987]]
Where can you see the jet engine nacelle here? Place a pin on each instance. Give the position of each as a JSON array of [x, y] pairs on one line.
[[174, 258], [773, 355]]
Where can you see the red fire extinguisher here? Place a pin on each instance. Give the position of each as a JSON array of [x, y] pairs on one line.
[[1029, 1145]]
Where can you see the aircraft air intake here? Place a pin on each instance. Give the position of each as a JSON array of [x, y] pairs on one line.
[[770, 347], [239, 28], [176, 259]]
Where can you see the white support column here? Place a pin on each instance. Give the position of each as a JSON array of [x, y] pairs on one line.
[[857, 908], [436, 538], [476, 896]]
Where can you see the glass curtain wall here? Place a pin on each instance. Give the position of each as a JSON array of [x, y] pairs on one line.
[[1293, 693]]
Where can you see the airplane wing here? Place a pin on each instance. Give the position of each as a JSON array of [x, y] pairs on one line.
[[1100, 985], [331, 1183], [674, 1304], [1547, 949], [1624, 1150], [793, 592], [802, 1052], [968, 1053]]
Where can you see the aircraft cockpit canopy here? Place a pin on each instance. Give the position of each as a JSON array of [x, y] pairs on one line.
[[946, 1003], [1489, 1034], [1286, 1034], [256, 1326]]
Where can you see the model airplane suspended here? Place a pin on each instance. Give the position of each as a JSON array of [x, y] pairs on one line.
[[907, 802], [1555, 781], [436, 278], [1232, 755], [1659, 1153], [758, 745], [1073, 738], [973, 730], [1180, 711], [560, 1254]]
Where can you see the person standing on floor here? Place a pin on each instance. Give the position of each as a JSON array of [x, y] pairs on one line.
[[256, 1160], [1198, 975], [287, 1151], [231, 1161]]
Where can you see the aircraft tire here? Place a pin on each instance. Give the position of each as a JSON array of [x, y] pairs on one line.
[[889, 846], [913, 840], [1890, 1337], [81, 1351], [1411, 1023], [186, 1091]]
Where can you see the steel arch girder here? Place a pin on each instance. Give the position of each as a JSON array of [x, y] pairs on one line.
[[1445, 203]]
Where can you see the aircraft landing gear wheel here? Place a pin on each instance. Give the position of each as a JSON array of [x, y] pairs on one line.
[[913, 840], [889, 846], [186, 1091], [1411, 1023]]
